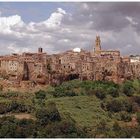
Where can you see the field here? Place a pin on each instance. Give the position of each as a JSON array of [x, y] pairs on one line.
[[85, 110]]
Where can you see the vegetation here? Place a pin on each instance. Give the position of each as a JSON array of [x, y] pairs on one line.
[[74, 109]]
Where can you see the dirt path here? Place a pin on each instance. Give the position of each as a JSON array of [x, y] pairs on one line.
[[20, 116]]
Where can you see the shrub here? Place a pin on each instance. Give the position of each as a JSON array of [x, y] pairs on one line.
[[117, 104], [114, 106], [116, 126], [61, 92], [137, 99], [100, 93], [45, 115], [40, 94], [125, 116], [138, 117], [71, 93], [53, 113], [136, 85], [128, 88], [113, 91], [8, 127], [42, 116]]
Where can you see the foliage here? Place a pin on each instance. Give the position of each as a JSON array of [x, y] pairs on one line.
[[14, 106], [53, 113], [116, 126], [12, 128], [100, 93], [116, 105], [136, 86], [44, 115], [125, 116], [138, 117], [127, 88], [114, 92], [81, 109], [40, 94]]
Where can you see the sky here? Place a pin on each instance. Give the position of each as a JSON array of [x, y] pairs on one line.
[[62, 26]]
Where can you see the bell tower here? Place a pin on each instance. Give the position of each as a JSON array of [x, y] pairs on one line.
[[97, 47]]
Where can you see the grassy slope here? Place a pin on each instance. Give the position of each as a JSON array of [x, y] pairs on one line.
[[85, 110]]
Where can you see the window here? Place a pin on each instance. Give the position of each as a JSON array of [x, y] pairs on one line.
[[59, 61]]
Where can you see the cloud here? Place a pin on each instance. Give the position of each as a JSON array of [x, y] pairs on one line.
[[6, 23], [131, 20], [116, 23], [17, 36]]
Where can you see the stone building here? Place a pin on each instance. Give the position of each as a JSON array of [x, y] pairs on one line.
[[97, 64]]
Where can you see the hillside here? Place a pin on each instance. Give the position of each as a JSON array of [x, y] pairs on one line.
[[73, 109]]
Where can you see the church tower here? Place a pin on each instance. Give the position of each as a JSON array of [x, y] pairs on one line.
[[97, 47]]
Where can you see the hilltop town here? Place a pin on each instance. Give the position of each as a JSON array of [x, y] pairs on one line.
[[31, 69]]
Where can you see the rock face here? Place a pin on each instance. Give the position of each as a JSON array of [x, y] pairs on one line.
[[41, 68]]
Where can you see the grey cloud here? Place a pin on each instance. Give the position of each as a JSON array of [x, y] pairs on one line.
[[79, 29]]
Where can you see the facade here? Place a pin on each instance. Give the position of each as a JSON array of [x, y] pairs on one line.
[[41, 68]]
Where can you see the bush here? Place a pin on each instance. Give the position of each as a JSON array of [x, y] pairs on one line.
[[100, 93], [116, 126], [136, 85], [13, 128], [116, 105], [125, 116], [138, 117], [53, 113], [40, 94], [113, 91], [42, 116], [45, 115], [137, 99], [8, 128], [4, 108], [61, 92], [128, 88], [71, 93], [14, 106]]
